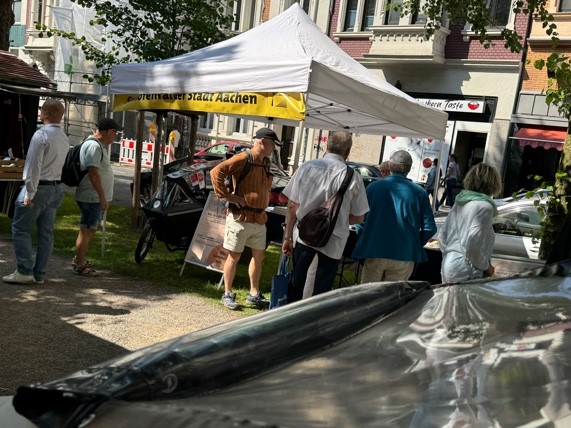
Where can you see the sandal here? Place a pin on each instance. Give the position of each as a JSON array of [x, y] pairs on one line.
[[87, 263], [85, 270]]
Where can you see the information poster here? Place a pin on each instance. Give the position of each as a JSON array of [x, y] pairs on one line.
[[206, 247], [422, 150]]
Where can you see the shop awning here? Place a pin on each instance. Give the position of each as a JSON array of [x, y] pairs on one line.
[[547, 138]]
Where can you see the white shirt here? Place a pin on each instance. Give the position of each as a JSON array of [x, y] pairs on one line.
[[318, 181], [45, 158]]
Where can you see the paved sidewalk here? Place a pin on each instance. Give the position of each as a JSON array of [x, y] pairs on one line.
[[71, 322]]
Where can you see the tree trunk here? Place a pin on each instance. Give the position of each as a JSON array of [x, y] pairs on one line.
[[557, 207], [6, 21]]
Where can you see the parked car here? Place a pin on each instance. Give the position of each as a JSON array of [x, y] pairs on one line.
[[224, 147], [368, 172], [490, 353]]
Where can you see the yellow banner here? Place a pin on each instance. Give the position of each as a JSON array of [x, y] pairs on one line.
[[276, 104]]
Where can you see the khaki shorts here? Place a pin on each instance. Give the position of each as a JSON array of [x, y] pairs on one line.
[[238, 235], [375, 270]]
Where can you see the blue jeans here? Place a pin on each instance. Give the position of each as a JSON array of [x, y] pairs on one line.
[[43, 213], [324, 276]]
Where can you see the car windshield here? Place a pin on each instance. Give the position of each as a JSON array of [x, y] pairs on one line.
[[518, 221]]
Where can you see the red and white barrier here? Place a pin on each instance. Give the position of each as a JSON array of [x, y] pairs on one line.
[[127, 153]]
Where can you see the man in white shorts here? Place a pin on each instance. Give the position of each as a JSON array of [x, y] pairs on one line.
[[246, 217]]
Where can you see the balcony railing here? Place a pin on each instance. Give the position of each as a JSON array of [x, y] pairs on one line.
[[398, 42]]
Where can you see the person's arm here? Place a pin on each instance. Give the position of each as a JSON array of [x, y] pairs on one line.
[[95, 179], [448, 171], [428, 228], [356, 219], [476, 239], [359, 201], [33, 166], [219, 173], [291, 219]]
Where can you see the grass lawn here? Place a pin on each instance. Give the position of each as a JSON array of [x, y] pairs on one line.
[[160, 266]]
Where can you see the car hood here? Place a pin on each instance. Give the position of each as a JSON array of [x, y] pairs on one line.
[[484, 353]]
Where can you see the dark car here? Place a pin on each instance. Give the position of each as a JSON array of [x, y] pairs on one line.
[[365, 169], [488, 353], [369, 173]]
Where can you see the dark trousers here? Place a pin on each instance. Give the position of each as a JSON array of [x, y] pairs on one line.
[[450, 186], [324, 276]]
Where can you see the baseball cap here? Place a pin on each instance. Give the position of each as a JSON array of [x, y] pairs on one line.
[[107, 123], [268, 133], [401, 157]]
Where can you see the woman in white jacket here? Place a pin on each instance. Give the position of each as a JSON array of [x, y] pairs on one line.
[[467, 237]]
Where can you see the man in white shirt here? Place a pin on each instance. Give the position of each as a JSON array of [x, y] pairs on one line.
[[40, 197], [314, 183]]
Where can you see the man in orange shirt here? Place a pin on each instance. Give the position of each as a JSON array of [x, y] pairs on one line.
[[246, 217]]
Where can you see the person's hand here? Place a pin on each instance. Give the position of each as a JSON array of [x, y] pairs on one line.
[[236, 200], [287, 247], [28, 202], [104, 204]]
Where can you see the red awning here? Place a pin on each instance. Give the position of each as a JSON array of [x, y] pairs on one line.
[[547, 138]]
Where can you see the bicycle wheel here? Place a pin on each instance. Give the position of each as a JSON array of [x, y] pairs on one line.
[[145, 242]]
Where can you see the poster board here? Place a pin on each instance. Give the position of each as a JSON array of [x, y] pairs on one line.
[[422, 151], [206, 247]]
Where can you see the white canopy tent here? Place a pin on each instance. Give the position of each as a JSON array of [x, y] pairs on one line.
[[289, 54]]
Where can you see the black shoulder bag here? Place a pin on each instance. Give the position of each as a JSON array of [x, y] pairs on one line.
[[316, 227]]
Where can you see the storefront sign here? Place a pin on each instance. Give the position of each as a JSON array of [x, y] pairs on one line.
[[458, 106], [278, 105]]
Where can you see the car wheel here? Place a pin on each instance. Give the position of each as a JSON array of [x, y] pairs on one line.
[[145, 242]]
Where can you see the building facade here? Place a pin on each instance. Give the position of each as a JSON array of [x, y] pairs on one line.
[[539, 130], [451, 71]]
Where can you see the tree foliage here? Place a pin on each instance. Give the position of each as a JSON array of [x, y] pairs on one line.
[[475, 13], [149, 30]]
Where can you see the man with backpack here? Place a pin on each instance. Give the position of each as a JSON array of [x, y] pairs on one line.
[[246, 218], [40, 197], [94, 191]]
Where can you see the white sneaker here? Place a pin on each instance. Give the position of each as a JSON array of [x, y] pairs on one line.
[[19, 278]]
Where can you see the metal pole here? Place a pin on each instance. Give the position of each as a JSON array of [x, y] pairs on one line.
[[137, 171]]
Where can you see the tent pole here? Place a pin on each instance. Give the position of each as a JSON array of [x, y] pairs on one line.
[[157, 153], [137, 172], [298, 144], [193, 133]]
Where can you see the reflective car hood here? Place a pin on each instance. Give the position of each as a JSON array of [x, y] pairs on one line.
[[485, 353]]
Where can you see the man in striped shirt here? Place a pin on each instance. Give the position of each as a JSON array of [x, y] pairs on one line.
[[246, 217]]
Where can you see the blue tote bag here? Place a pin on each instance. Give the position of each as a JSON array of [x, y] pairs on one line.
[[280, 282]]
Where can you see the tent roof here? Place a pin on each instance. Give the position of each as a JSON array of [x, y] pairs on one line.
[[14, 71], [290, 53]]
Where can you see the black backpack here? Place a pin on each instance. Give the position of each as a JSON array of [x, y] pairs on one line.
[[71, 172]]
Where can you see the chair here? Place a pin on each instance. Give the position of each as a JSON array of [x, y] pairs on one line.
[[349, 269]]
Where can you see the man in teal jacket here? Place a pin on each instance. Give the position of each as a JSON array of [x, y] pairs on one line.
[[399, 223]]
